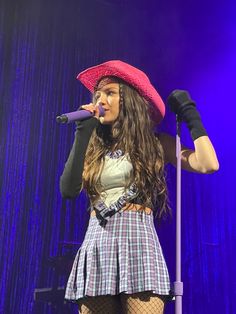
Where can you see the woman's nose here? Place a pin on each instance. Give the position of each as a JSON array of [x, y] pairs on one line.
[[102, 98]]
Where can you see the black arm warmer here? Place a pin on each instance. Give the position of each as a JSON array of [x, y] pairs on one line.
[[181, 104], [71, 178], [191, 116]]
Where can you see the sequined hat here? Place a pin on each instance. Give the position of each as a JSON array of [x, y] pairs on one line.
[[133, 76]]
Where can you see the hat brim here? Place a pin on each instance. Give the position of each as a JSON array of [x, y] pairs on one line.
[[133, 76]]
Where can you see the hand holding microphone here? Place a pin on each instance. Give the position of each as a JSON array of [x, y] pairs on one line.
[[184, 107], [84, 112]]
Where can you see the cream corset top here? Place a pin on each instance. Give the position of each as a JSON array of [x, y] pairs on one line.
[[117, 170]]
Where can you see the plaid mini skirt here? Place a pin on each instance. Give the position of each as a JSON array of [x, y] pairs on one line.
[[124, 256]]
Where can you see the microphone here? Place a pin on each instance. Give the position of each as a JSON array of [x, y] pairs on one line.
[[78, 115]]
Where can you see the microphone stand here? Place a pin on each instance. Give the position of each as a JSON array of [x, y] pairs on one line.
[[178, 284]]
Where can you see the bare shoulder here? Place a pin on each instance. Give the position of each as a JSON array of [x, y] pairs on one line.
[[168, 143], [166, 138]]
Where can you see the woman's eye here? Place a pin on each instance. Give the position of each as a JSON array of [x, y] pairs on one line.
[[110, 93], [96, 96]]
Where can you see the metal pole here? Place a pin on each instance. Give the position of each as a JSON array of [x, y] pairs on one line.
[[178, 284]]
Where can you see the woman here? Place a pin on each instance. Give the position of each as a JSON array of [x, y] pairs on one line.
[[119, 161]]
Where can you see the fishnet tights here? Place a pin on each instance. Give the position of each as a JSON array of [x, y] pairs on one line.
[[138, 303], [100, 305], [142, 303]]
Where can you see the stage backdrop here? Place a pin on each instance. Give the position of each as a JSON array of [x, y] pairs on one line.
[[43, 45]]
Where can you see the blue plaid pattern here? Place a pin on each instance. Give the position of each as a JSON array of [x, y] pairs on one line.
[[116, 154], [123, 256]]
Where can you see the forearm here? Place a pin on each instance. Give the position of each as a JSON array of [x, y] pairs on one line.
[[71, 178], [203, 159]]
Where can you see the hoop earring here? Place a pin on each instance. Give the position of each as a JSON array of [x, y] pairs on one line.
[[101, 119]]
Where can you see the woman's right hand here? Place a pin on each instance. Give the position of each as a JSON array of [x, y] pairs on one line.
[[92, 108]]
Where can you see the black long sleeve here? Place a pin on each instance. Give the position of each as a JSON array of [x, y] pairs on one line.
[[71, 178]]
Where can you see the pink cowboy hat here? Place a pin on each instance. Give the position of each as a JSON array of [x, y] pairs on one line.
[[133, 76]]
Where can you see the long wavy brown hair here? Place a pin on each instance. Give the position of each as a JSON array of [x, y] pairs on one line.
[[133, 133]]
